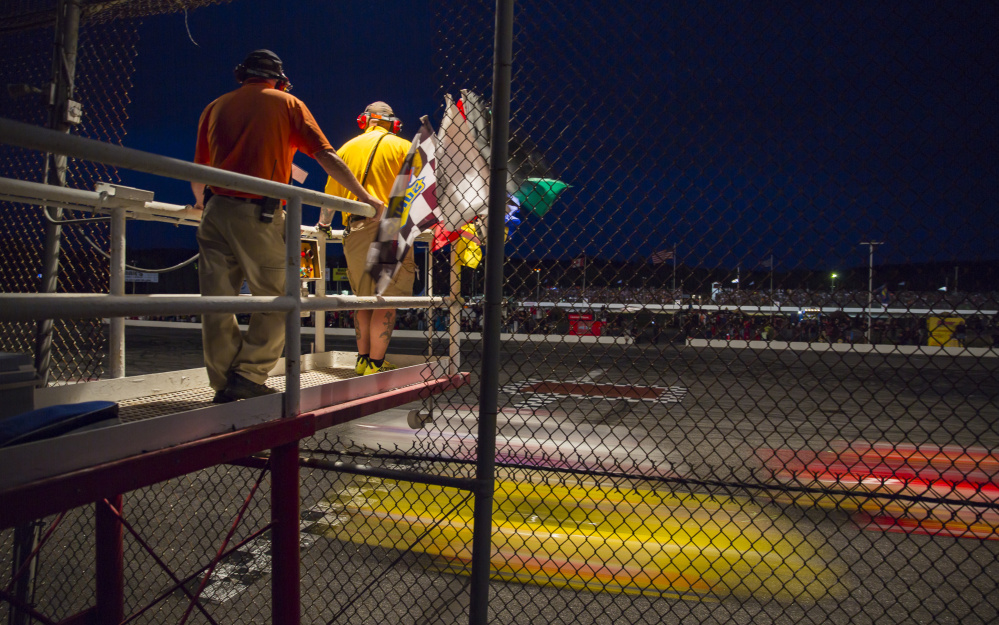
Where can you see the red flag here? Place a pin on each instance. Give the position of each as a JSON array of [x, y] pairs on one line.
[[579, 262]]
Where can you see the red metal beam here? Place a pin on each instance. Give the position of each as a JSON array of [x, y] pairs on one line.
[[44, 497], [38, 499], [286, 605], [178, 583], [109, 559]]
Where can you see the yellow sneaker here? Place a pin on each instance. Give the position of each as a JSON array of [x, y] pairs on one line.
[[386, 366], [362, 364]]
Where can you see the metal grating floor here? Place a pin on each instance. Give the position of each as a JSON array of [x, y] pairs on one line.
[[192, 399]]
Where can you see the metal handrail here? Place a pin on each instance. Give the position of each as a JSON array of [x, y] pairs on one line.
[[43, 139], [30, 306], [40, 194]]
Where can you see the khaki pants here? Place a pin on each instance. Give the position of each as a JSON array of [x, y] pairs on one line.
[[235, 245], [356, 242]]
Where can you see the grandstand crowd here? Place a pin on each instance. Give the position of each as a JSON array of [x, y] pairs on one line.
[[906, 322], [802, 298]]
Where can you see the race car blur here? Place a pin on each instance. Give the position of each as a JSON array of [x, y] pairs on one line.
[[600, 538]]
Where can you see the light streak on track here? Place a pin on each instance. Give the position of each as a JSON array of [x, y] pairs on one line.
[[968, 479], [534, 439], [597, 538]]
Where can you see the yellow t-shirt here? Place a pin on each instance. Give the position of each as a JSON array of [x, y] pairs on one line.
[[385, 166]]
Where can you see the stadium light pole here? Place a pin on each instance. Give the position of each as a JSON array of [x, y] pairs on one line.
[[537, 282], [832, 283], [870, 282], [674, 271]]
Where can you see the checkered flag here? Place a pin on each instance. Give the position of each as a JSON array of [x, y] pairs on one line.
[[412, 208]]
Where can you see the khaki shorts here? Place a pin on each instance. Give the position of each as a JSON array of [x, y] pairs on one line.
[[355, 247]]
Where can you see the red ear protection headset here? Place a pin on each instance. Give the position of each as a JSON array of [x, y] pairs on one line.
[[365, 117]]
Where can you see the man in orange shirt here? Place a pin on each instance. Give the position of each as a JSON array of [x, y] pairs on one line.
[[254, 130]]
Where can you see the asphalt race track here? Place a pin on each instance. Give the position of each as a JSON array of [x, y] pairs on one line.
[[687, 419]]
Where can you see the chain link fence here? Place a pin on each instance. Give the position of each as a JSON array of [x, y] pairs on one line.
[[161, 572], [749, 356], [108, 37], [748, 361]]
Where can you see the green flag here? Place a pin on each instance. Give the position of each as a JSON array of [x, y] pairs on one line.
[[538, 194]]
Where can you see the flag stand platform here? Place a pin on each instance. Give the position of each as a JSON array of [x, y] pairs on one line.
[[168, 426]]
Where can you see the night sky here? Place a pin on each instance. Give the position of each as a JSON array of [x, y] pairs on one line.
[[731, 132], [340, 56]]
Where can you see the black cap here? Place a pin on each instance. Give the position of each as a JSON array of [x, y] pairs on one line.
[[261, 64]]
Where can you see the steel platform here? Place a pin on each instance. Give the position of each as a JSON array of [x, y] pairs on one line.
[[168, 425]]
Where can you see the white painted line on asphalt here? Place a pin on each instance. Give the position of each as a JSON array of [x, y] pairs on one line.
[[248, 564]]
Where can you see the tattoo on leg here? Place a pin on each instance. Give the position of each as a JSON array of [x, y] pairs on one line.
[[389, 325]]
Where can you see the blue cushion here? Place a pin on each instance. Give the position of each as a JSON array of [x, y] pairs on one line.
[[54, 421]]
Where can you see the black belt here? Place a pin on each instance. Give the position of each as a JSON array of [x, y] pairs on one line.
[[259, 201]]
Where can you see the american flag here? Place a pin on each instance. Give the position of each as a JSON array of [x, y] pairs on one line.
[[412, 208], [661, 256]]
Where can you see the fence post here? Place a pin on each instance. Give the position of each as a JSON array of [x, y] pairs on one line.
[[116, 349], [454, 316], [293, 322], [63, 81], [319, 317], [285, 585], [109, 562], [493, 311]]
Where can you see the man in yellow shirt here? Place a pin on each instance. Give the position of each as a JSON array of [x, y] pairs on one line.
[[375, 157]]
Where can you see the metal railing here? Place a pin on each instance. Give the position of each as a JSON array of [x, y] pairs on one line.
[[284, 458], [116, 305]]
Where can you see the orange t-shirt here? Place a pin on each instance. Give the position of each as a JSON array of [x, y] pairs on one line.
[[256, 130]]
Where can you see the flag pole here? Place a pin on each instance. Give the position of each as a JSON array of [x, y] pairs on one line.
[[485, 449], [772, 305], [674, 270]]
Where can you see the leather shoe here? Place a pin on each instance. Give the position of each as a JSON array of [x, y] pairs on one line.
[[221, 398], [237, 387]]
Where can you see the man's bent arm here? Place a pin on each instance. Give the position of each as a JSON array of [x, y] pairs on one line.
[[199, 195]]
